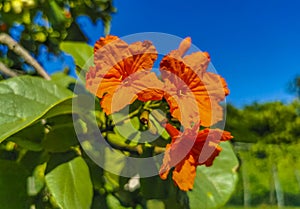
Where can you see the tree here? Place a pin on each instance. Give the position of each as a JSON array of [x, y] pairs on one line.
[[294, 86], [38, 24], [265, 135]]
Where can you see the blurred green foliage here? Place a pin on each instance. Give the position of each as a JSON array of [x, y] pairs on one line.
[[267, 141], [58, 19]]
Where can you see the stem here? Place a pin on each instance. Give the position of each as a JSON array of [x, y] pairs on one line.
[[158, 150], [130, 115], [147, 104], [7, 71], [159, 116], [19, 50]]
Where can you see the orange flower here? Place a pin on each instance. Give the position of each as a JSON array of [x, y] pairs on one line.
[[191, 90], [188, 150], [122, 72]]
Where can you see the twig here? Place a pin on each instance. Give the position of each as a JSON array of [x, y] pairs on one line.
[[7, 71], [19, 50], [130, 115]]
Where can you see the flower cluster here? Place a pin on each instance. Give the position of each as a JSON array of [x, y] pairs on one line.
[[122, 74]]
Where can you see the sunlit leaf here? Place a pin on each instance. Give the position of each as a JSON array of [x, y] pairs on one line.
[[24, 100], [63, 79], [81, 52], [70, 185]]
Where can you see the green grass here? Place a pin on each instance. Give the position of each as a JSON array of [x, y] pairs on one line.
[[259, 207]]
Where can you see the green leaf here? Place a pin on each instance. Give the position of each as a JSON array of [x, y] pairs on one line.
[[70, 185], [214, 185], [13, 194], [36, 182], [55, 14], [57, 158], [118, 159], [60, 138], [81, 52], [114, 203], [96, 173], [155, 188], [32, 159], [129, 129], [24, 100], [63, 79], [62, 108], [120, 141], [30, 138]]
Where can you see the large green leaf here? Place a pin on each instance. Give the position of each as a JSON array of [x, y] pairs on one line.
[[62, 79], [13, 194], [214, 185], [24, 100], [70, 184], [62, 108], [80, 51]]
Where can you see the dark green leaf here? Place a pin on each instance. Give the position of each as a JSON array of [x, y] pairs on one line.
[[114, 203], [155, 188], [96, 175], [13, 192], [60, 138], [32, 159], [57, 158], [30, 138]]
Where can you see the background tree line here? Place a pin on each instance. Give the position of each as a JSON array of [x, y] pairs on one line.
[[267, 141]]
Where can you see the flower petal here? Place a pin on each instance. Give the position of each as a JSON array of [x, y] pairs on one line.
[[179, 149], [143, 85], [186, 153], [184, 46], [100, 85], [197, 61], [206, 147], [103, 41], [143, 56], [184, 174], [184, 108], [173, 64]]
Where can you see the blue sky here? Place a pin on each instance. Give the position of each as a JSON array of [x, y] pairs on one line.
[[254, 45]]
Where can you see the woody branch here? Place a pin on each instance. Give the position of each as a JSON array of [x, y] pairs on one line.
[[19, 50]]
